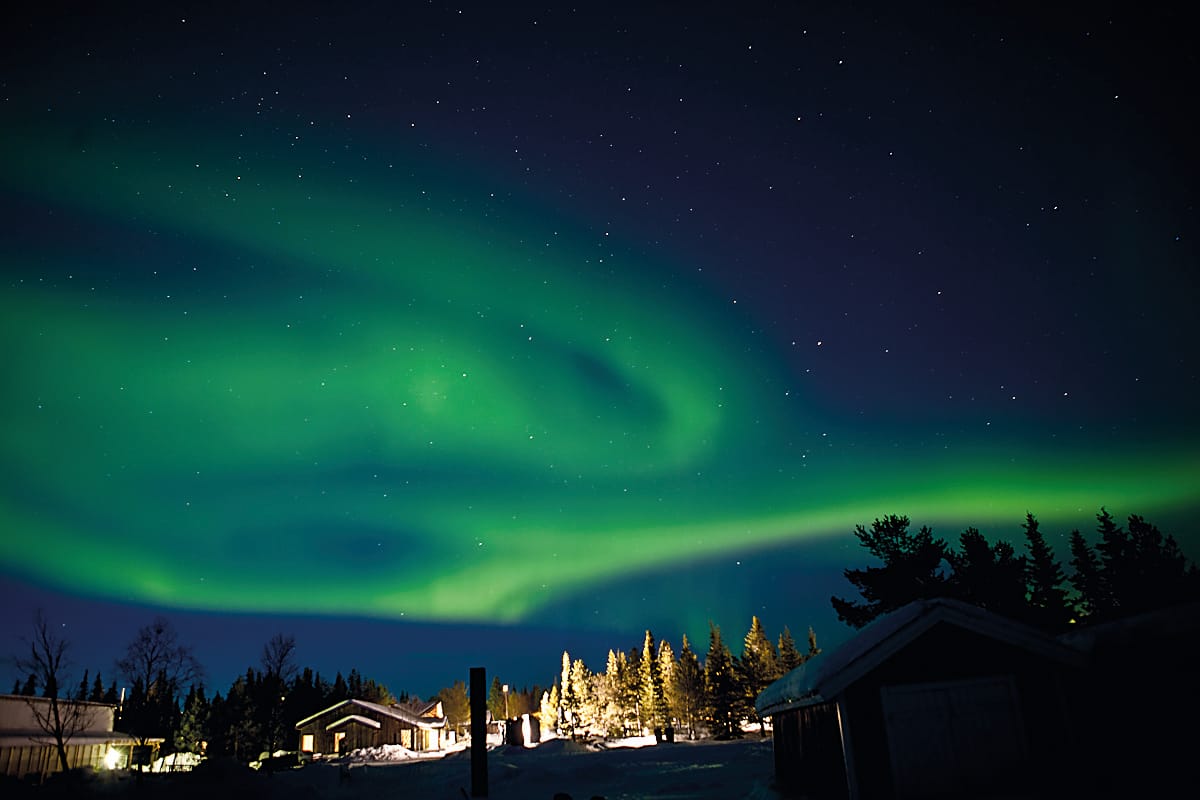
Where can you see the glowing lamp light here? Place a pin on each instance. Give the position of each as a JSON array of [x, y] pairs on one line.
[[112, 759]]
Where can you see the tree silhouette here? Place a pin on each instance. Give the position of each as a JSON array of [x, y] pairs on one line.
[[46, 662], [725, 699], [910, 571], [789, 656], [1048, 608], [158, 667], [989, 576], [653, 695], [689, 687], [758, 666]]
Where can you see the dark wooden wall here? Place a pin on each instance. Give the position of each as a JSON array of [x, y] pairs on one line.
[[808, 752]]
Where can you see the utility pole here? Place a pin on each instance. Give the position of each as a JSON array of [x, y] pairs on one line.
[[479, 776]]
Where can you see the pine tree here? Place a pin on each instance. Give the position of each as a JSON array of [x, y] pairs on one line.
[[758, 667], [991, 577], [340, 690], [632, 691], [497, 699], [97, 693], [548, 715], [910, 571], [1156, 574], [81, 693], [193, 724], [1085, 578], [724, 696], [666, 668], [813, 649], [613, 716], [653, 699], [583, 712], [1044, 578], [568, 699], [789, 656], [689, 688]]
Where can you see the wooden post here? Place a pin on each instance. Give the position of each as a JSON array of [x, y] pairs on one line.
[[479, 777]]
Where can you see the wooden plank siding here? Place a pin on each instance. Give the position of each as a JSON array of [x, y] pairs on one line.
[[359, 734], [808, 751], [42, 760]]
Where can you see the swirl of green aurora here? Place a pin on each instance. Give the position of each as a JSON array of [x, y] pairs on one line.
[[236, 381]]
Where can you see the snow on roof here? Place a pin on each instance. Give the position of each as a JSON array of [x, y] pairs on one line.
[[370, 723], [402, 713], [825, 676]]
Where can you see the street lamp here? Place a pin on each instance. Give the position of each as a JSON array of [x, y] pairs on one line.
[[504, 688]]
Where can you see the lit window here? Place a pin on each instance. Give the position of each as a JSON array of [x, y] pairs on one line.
[[306, 742]]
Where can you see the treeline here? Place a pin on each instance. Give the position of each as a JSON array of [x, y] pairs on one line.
[[650, 689], [501, 704], [1127, 570], [256, 714]]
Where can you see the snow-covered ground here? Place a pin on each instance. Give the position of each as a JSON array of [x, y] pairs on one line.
[[622, 770], [614, 770]]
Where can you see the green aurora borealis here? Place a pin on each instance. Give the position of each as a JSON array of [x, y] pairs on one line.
[[234, 381]]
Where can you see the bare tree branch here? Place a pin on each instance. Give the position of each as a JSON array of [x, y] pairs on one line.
[[278, 657], [59, 718], [156, 651]]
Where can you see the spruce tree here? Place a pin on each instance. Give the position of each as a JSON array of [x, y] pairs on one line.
[[568, 699], [813, 649], [1085, 578], [609, 698], [550, 711], [193, 724], [653, 699], [758, 667], [723, 694], [689, 687], [789, 656], [97, 693], [991, 577], [1044, 579], [666, 668], [496, 699], [583, 710], [633, 690]]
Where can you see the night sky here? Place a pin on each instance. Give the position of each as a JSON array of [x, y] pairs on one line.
[[443, 336]]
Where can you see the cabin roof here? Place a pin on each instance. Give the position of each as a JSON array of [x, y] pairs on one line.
[[370, 723], [826, 676], [403, 713]]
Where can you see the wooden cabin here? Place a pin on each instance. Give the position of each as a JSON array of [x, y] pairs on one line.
[[355, 724], [936, 699]]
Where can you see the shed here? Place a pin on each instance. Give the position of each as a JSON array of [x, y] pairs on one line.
[[354, 724], [936, 699]]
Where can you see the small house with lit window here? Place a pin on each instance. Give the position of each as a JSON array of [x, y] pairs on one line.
[[356, 724]]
